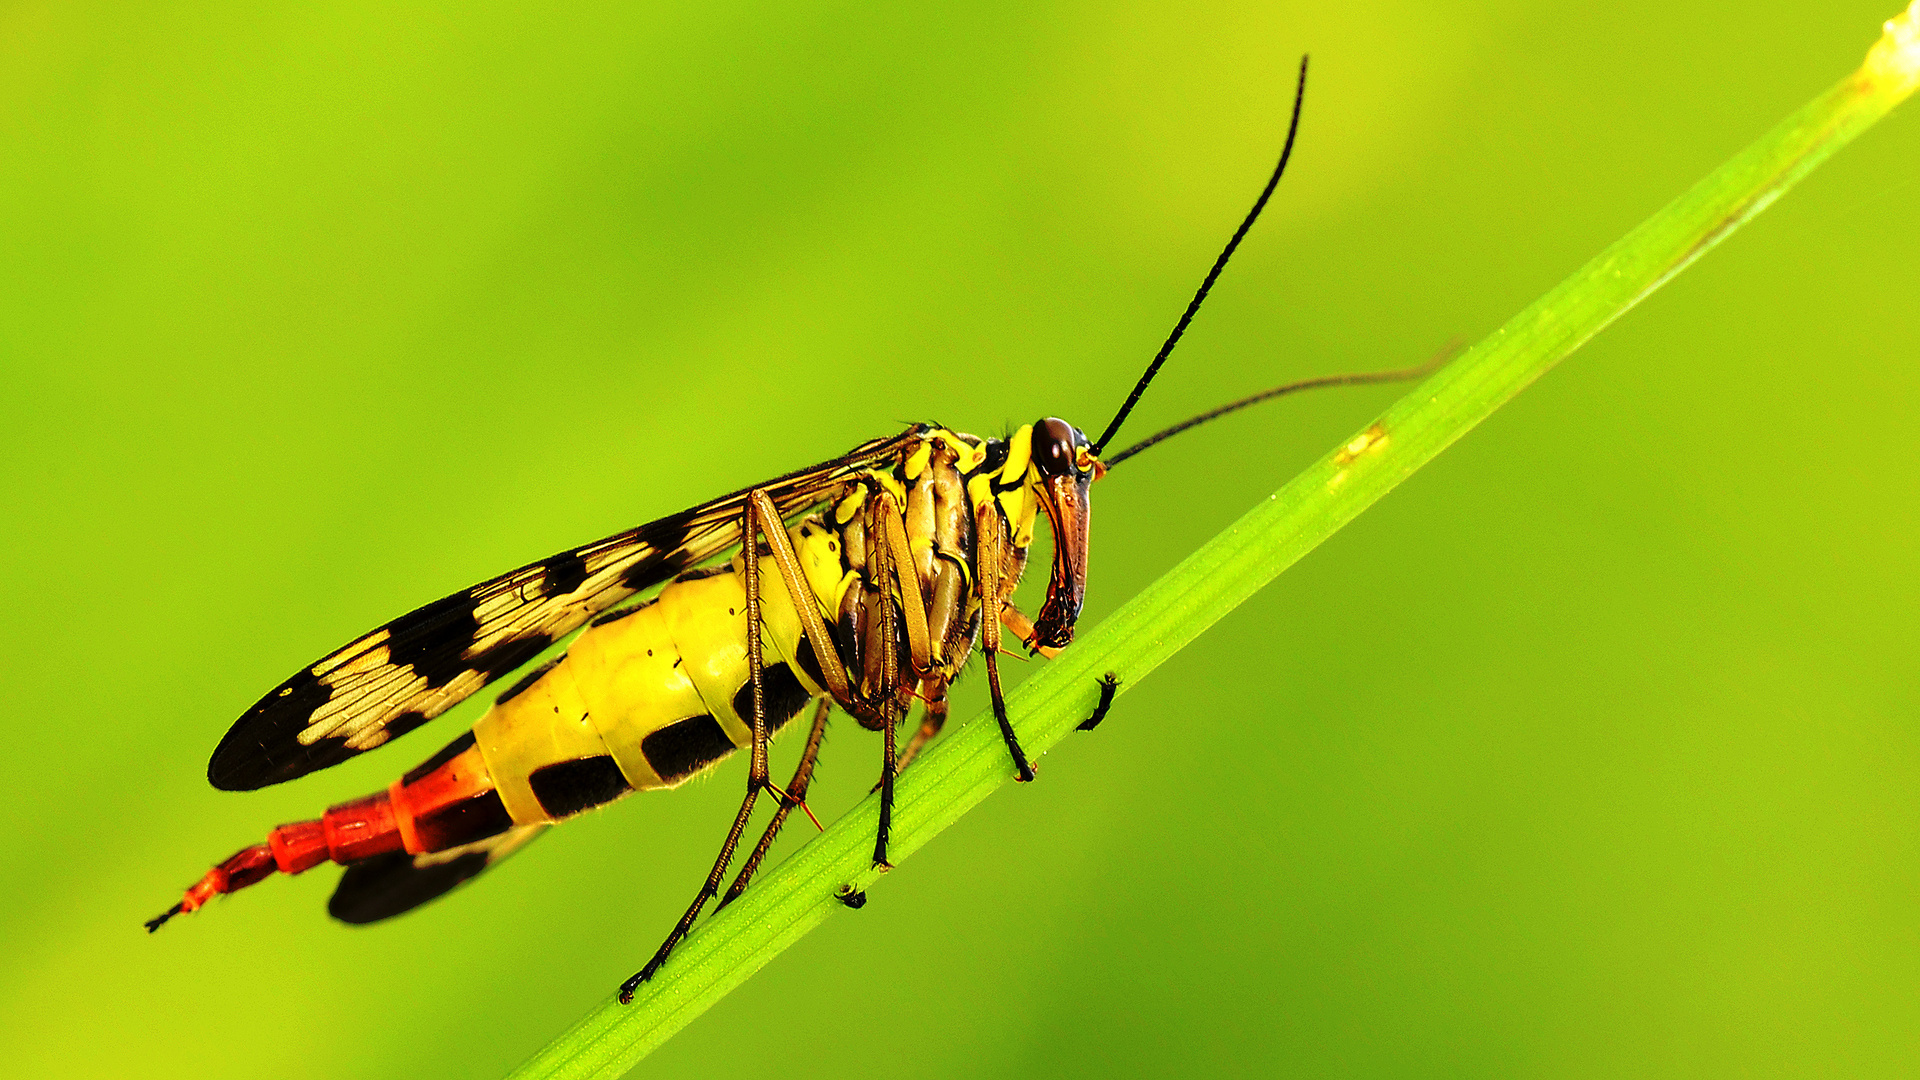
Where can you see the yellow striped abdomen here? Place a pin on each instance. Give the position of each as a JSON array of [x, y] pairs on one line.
[[651, 696]]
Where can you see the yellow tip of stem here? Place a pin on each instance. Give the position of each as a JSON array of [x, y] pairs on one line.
[[1895, 58]]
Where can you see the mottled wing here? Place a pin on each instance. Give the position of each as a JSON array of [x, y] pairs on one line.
[[418, 666], [390, 884]]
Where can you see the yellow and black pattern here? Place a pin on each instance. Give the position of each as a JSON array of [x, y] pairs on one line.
[[893, 561], [411, 670], [653, 694]]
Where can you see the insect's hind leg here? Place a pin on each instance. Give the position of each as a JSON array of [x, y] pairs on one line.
[[889, 770], [757, 518], [796, 794], [707, 891]]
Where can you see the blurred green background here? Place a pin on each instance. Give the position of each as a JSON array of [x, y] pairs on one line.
[[1590, 752]]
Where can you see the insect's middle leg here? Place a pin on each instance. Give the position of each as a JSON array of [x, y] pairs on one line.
[[932, 719], [889, 769], [885, 563]]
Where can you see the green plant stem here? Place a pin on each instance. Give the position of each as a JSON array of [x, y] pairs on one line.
[[971, 762]]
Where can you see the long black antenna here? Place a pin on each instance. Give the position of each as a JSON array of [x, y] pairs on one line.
[[1357, 378], [1293, 128]]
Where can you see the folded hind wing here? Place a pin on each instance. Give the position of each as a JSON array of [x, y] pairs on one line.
[[390, 884]]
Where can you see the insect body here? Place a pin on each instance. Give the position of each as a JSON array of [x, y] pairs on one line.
[[862, 583], [905, 552]]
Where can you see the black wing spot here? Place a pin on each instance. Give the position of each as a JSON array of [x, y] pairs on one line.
[[404, 722], [387, 885], [433, 639], [785, 697], [256, 769], [496, 660], [263, 747], [668, 538], [563, 573], [640, 574], [568, 787], [527, 680], [437, 638], [684, 747], [447, 753]]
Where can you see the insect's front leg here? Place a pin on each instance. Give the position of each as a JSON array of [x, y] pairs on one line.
[[988, 527], [1020, 626], [1109, 686]]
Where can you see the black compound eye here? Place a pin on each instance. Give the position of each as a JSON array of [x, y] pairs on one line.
[[1053, 447]]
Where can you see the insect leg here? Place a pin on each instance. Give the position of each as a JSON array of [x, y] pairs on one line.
[[953, 635], [781, 547], [871, 711], [796, 791], [987, 529], [1016, 621], [893, 533], [1021, 627], [751, 522], [889, 768], [881, 563], [932, 719], [1109, 685], [1022, 771]]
